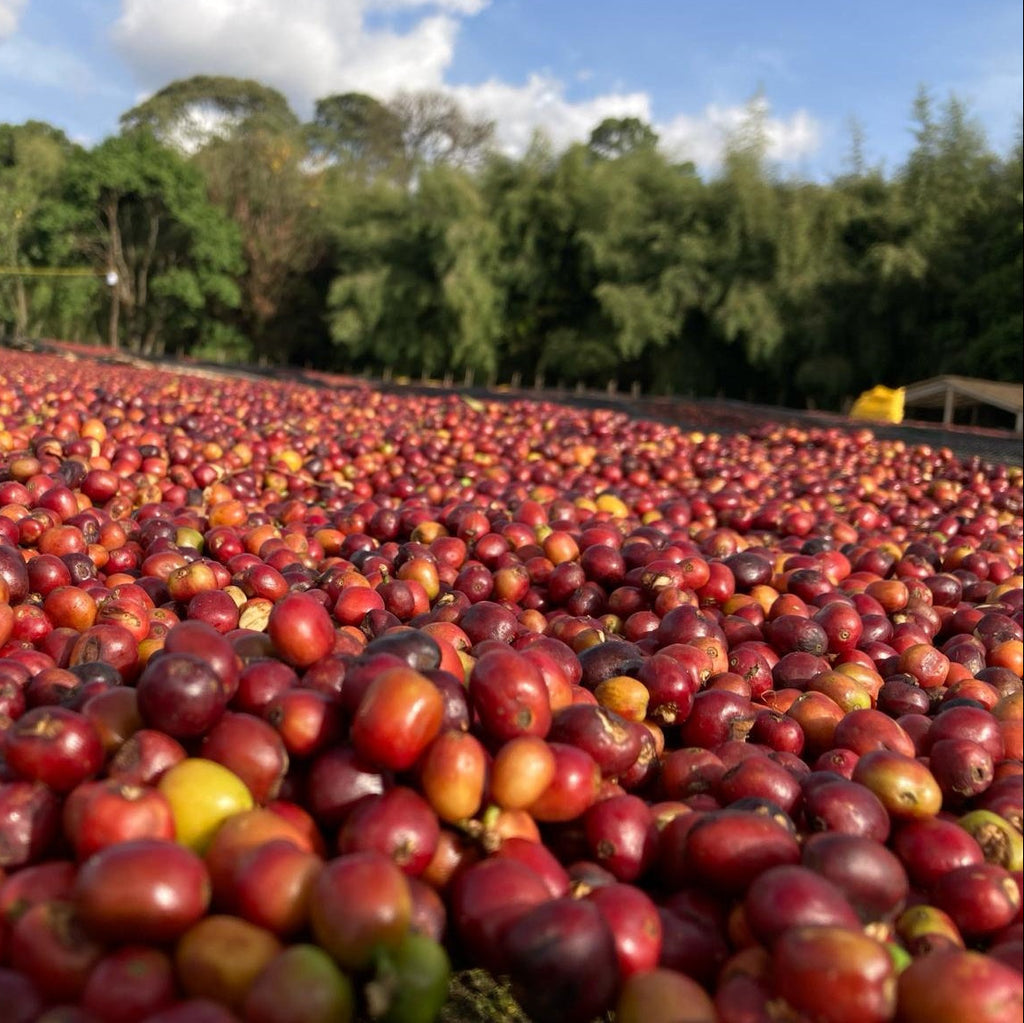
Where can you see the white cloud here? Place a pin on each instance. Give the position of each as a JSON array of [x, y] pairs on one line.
[[793, 139], [541, 104], [307, 50], [314, 48], [455, 6], [703, 139], [519, 110], [10, 14]]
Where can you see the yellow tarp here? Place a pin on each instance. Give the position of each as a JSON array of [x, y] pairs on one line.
[[882, 404]]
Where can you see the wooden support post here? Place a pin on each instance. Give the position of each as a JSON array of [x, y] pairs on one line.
[[948, 407]]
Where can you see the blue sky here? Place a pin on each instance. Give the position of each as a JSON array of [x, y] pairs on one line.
[[689, 67]]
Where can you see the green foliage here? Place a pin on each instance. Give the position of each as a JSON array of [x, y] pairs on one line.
[[747, 217], [31, 158], [220, 342], [417, 291], [989, 306], [828, 376], [393, 236], [620, 136], [965, 213], [136, 207], [258, 181], [647, 242], [368, 227], [541, 259], [358, 132], [191, 112]]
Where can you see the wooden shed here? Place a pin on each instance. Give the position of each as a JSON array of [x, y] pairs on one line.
[[961, 398]]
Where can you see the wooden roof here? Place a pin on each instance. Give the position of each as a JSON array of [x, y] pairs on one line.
[[936, 391]]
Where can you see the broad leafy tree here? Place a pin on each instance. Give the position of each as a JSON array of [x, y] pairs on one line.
[[138, 209], [258, 178], [620, 136], [190, 112], [31, 158], [359, 134]]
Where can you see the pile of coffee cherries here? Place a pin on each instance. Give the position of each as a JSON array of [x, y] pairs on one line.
[[314, 696]]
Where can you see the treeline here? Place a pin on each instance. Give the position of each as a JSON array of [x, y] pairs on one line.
[[396, 237]]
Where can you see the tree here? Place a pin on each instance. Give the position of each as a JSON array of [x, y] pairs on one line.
[[190, 112], [855, 159], [258, 178], [436, 130], [603, 263], [817, 360], [31, 157], [620, 136], [368, 224], [417, 288], [947, 187], [358, 132], [463, 256], [987, 310], [543, 264], [139, 209], [643, 227], [744, 214], [394, 235]]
